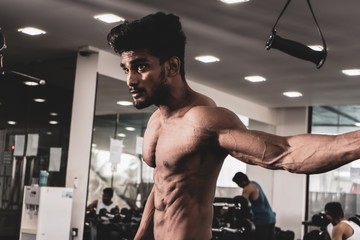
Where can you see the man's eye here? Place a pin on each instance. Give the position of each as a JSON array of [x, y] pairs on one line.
[[141, 68], [126, 71]]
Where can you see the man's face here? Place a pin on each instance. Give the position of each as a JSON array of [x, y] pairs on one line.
[[328, 216], [242, 184], [106, 198], [145, 78]]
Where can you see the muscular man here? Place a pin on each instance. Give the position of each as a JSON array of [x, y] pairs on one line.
[[339, 228], [264, 217], [188, 136]]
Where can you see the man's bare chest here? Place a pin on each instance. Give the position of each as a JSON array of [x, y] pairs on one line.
[[175, 142]]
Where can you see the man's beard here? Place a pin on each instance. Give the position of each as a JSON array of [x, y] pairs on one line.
[[161, 92]]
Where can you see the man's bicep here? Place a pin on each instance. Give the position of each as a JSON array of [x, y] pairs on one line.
[[255, 147], [250, 146]]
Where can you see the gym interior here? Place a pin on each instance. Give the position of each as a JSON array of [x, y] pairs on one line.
[[62, 137]]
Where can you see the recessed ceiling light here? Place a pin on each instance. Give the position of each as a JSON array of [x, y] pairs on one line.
[[316, 47], [11, 122], [207, 59], [54, 114], [255, 78], [31, 31], [49, 133], [131, 129], [233, 1], [53, 122], [357, 124], [30, 83], [124, 103], [109, 18], [121, 135], [351, 72], [292, 94], [39, 100]]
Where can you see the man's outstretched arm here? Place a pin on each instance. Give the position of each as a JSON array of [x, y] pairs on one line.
[[305, 153], [145, 231]]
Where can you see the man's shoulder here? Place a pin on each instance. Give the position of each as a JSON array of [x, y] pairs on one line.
[[216, 111], [213, 116], [341, 227]]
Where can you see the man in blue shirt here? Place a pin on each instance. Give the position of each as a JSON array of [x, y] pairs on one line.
[[264, 217]]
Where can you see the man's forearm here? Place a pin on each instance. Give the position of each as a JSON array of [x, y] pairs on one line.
[[305, 153], [310, 153]]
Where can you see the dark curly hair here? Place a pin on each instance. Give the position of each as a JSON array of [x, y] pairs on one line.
[[109, 191], [239, 177], [334, 209], [159, 33]]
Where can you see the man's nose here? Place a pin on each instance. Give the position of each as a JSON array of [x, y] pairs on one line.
[[132, 79]]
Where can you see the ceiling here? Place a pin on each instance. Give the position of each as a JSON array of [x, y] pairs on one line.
[[234, 33]]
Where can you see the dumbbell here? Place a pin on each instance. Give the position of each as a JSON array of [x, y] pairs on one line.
[[242, 206], [314, 235], [102, 212], [319, 220]]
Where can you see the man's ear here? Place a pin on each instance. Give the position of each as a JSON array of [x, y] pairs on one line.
[[173, 67]]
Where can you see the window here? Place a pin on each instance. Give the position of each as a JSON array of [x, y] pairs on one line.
[[342, 184]]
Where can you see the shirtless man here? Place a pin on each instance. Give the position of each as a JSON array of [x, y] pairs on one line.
[[339, 228], [188, 136]]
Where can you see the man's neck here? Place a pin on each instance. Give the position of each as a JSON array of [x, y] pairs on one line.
[[178, 101], [336, 221]]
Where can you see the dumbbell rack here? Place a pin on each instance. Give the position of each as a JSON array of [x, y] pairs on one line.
[[237, 227]]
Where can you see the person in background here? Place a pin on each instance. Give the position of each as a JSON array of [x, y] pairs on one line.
[[264, 217], [339, 228], [105, 202]]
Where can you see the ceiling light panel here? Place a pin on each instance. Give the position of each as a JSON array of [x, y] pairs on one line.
[[131, 129], [207, 59], [109, 18], [124, 103], [30, 83], [121, 135], [233, 1], [255, 78], [292, 94], [39, 100], [351, 72], [31, 31]]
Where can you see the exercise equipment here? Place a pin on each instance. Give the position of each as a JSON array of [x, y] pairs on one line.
[[355, 219], [242, 207], [314, 235], [2, 70], [283, 234], [244, 231], [319, 220], [2, 47], [112, 225], [232, 219], [297, 49]]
